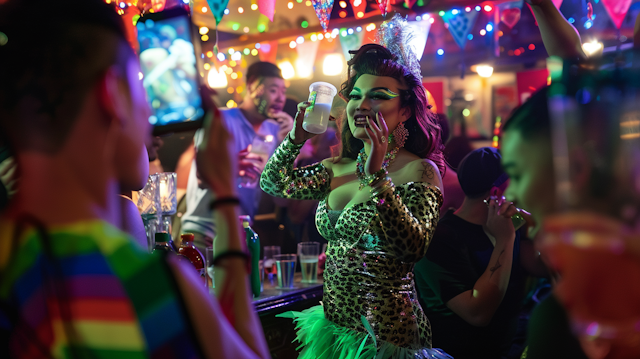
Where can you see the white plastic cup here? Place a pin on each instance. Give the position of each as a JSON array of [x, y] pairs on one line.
[[316, 116]]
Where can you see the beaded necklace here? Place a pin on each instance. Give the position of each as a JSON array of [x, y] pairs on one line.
[[365, 179]]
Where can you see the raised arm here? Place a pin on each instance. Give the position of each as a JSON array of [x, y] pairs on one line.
[[281, 179], [229, 328], [478, 305], [560, 38], [409, 216]]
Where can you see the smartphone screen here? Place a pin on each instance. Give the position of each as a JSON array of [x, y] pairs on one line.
[[169, 70]]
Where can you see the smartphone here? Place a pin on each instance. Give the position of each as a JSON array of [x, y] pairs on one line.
[[170, 59]]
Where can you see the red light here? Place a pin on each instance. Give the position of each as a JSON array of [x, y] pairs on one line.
[[521, 50], [510, 52], [517, 52], [467, 9], [532, 47], [343, 14], [488, 8]]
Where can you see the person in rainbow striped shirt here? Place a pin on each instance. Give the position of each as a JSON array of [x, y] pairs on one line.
[[73, 111]]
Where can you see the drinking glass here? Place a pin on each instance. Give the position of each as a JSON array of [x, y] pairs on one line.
[[262, 146], [148, 202], [308, 253], [269, 263], [285, 268], [316, 116], [209, 254]]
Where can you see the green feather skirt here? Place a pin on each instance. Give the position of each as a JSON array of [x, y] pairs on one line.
[[320, 338]]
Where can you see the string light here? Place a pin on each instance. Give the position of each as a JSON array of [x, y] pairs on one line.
[[207, 66], [300, 39], [440, 52], [240, 10], [488, 8], [360, 14], [314, 37], [343, 4], [290, 5], [254, 52], [204, 30], [483, 32], [245, 29], [293, 44], [210, 54], [254, 7], [204, 9], [205, 37]]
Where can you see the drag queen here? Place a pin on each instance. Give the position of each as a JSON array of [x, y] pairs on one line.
[[379, 205]]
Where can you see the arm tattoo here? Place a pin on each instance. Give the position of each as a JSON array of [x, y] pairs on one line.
[[498, 265], [427, 171]]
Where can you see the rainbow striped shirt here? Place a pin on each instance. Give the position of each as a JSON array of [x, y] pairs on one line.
[[115, 301]]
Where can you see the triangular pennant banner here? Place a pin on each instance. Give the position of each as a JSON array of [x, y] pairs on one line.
[[306, 58], [510, 12], [351, 42], [460, 24], [359, 8], [419, 35], [617, 10], [557, 3], [323, 11], [267, 8], [410, 3], [383, 5], [217, 8], [268, 51]]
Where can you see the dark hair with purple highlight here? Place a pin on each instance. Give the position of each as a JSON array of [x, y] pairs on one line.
[[424, 131]]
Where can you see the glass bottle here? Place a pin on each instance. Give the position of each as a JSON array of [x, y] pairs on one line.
[[253, 244]]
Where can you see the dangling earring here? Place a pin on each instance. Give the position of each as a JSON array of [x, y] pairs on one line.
[[400, 135]]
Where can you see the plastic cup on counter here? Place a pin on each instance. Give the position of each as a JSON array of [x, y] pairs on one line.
[[285, 268], [308, 253]]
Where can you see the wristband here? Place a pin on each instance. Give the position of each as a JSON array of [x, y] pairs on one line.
[[233, 254], [222, 201]]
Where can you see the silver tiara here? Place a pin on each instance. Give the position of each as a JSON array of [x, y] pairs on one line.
[[395, 35]]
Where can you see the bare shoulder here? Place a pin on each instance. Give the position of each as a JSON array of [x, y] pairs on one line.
[[424, 170]]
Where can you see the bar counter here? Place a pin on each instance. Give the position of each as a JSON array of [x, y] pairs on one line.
[[280, 332]]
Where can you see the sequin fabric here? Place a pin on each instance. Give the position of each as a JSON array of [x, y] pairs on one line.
[[372, 249]]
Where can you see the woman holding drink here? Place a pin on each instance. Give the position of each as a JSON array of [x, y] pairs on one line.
[[379, 206]]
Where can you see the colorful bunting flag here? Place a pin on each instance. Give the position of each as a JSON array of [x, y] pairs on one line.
[[460, 24], [510, 12], [419, 35], [383, 5], [323, 11], [306, 58], [217, 8], [351, 42], [359, 7], [267, 8], [617, 10], [557, 3], [268, 51]]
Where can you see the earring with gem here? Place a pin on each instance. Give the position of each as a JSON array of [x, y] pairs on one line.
[[400, 135]]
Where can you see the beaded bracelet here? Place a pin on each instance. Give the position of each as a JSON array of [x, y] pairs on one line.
[[233, 254], [378, 177], [222, 201]]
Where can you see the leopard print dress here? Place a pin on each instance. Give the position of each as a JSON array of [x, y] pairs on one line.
[[368, 277]]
